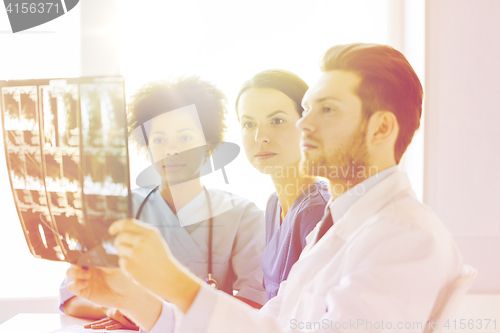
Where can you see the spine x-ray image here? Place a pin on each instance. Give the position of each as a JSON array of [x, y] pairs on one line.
[[66, 152]]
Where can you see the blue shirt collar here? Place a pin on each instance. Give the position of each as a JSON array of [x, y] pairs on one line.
[[339, 206]]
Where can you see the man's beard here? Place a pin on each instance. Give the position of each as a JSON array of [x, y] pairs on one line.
[[347, 165]]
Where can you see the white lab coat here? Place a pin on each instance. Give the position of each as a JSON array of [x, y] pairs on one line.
[[387, 259]]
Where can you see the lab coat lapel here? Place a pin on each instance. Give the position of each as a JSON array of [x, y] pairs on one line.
[[360, 213], [357, 215], [307, 275]]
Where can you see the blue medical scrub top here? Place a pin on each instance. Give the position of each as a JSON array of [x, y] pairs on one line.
[[285, 242]]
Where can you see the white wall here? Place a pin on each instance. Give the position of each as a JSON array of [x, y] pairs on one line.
[[100, 50], [462, 141], [407, 35], [48, 51], [228, 41]]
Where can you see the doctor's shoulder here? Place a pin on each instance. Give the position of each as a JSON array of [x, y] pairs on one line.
[[314, 197], [313, 202], [417, 226], [405, 209], [272, 203]]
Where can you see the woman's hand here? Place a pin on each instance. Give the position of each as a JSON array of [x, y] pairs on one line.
[[115, 320], [112, 288], [146, 257], [108, 287]]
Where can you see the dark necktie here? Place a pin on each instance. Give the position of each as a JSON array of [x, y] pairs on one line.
[[325, 224]]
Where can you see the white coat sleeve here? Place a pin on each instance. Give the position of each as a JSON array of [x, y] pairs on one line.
[[379, 285]]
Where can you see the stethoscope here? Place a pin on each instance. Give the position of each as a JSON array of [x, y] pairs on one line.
[[209, 279]]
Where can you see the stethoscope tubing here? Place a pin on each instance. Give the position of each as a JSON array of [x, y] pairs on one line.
[[209, 279]]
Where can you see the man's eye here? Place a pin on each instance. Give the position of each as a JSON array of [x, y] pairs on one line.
[[248, 125], [276, 121], [326, 109], [158, 141], [186, 138]]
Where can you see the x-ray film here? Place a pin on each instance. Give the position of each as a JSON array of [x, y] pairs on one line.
[[67, 156]]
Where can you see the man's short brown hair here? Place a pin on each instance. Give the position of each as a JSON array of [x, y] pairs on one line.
[[388, 83]]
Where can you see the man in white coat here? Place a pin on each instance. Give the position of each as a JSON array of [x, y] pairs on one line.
[[382, 265]]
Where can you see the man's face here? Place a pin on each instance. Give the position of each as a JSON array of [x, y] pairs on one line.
[[333, 142]]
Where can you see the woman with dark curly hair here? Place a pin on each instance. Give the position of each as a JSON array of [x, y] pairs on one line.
[[217, 235]]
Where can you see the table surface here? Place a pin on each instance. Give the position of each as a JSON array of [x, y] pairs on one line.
[[39, 323]]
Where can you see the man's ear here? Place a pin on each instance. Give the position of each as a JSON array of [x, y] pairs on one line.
[[382, 126]]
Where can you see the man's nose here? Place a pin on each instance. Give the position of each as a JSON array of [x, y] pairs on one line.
[[306, 123]]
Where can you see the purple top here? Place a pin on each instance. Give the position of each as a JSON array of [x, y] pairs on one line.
[[285, 242]]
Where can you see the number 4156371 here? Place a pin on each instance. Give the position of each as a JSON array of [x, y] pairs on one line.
[[32, 8], [470, 324]]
